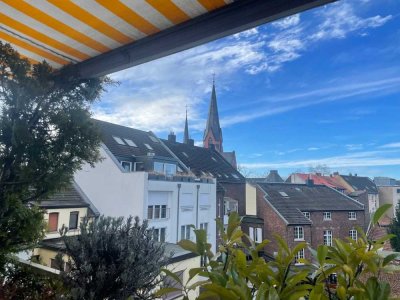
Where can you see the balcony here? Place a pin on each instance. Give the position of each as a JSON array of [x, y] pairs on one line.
[[179, 178]]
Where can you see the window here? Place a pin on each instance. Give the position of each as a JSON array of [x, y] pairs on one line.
[[230, 205], [156, 212], [353, 234], [118, 140], [55, 264], [398, 191], [159, 234], [153, 139], [126, 165], [53, 222], [165, 168], [328, 237], [283, 194], [235, 176], [352, 215], [298, 233], [130, 143], [148, 146], [185, 154], [255, 233], [306, 214], [204, 226], [158, 167], [299, 255], [73, 220], [185, 232], [213, 158], [327, 216]]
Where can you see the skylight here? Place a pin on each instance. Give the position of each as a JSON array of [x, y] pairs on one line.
[[235, 176], [283, 194], [118, 140], [148, 146], [153, 139], [130, 142], [184, 153], [213, 158]]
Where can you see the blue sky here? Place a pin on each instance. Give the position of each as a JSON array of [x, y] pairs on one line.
[[320, 87]]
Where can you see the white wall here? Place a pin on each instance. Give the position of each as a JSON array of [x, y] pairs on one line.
[[113, 192], [251, 201]]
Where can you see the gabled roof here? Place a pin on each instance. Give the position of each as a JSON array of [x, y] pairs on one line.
[[361, 183], [273, 176], [69, 197], [213, 118], [290, 200], [203, 161], [320, 179], [140, 138]]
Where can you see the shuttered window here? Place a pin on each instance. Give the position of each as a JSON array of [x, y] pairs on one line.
[[53, 222]]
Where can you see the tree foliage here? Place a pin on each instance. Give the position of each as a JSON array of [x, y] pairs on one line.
[[394, 229], [45, 136], [239, 272], [113, 259]]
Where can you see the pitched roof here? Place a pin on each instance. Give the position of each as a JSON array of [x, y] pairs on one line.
[[213, 118], [290, 200], [203, 161], [230, 157], [70, 197], [273, 176], [361, 183], [140, 138], [321, 179]]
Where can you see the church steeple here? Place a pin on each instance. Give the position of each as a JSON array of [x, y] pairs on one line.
[[213, 133], [186, 132]]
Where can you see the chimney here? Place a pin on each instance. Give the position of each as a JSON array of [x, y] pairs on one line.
[[336, 173], [172, 137], [355, 174], [310, 182], [191, 142]]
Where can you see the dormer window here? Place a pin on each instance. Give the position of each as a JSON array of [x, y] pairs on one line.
[[118, 140], [148, 146], [126, 165], [130, 143]]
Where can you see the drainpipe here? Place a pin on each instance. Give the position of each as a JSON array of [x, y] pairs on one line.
[[177, 214], [197, 206]]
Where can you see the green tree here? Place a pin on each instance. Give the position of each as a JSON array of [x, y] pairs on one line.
[[394, 229], [239, 272], [113, 259], [45, 136]]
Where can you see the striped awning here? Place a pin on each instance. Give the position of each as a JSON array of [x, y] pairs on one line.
[[103, 36], [71, 31]]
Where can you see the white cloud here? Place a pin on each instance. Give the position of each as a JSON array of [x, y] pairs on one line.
[[287, 22], [340, 19], [354, 147], [391, 145], [313, 148], [360, 159]]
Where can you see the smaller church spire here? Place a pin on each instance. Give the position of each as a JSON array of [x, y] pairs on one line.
[[186, 132]]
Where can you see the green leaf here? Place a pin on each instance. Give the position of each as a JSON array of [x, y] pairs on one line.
[[165, 291], [172, 275], [379, 213], [194, 271], [322, 252], [389, 258], [189, 246]]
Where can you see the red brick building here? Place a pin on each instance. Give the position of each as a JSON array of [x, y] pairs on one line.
[[316, 214]]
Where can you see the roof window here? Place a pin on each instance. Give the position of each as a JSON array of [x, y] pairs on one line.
[[148, 146], [153, 139], [283, 194], [213, 158], [185, 154], [130, 143], [118, 140], [235, 176]]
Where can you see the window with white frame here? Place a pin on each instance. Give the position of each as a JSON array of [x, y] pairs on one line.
[[327, 216], [353, 234], [298, 256], [204, 226], [118, 140], [185, 232], [352, 215], [298, 233], [230, 205], [255, 233], [130, 142], [156, 212], [165, 168], [148, 146], [126, 165], [328, 237], [159, 234], [306, 214]]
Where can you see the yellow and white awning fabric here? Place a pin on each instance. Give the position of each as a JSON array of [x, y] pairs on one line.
[[71, 31]]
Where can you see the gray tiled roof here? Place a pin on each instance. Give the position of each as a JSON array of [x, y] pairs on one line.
[[139, 137], [361, 183], [301, 197], [203, 161], [69, 197], [273, 176]]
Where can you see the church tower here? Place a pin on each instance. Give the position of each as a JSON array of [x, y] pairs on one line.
[[213, 133], [186, 131]]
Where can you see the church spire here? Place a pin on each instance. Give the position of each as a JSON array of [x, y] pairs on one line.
[[213, 133], [186, 132]]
